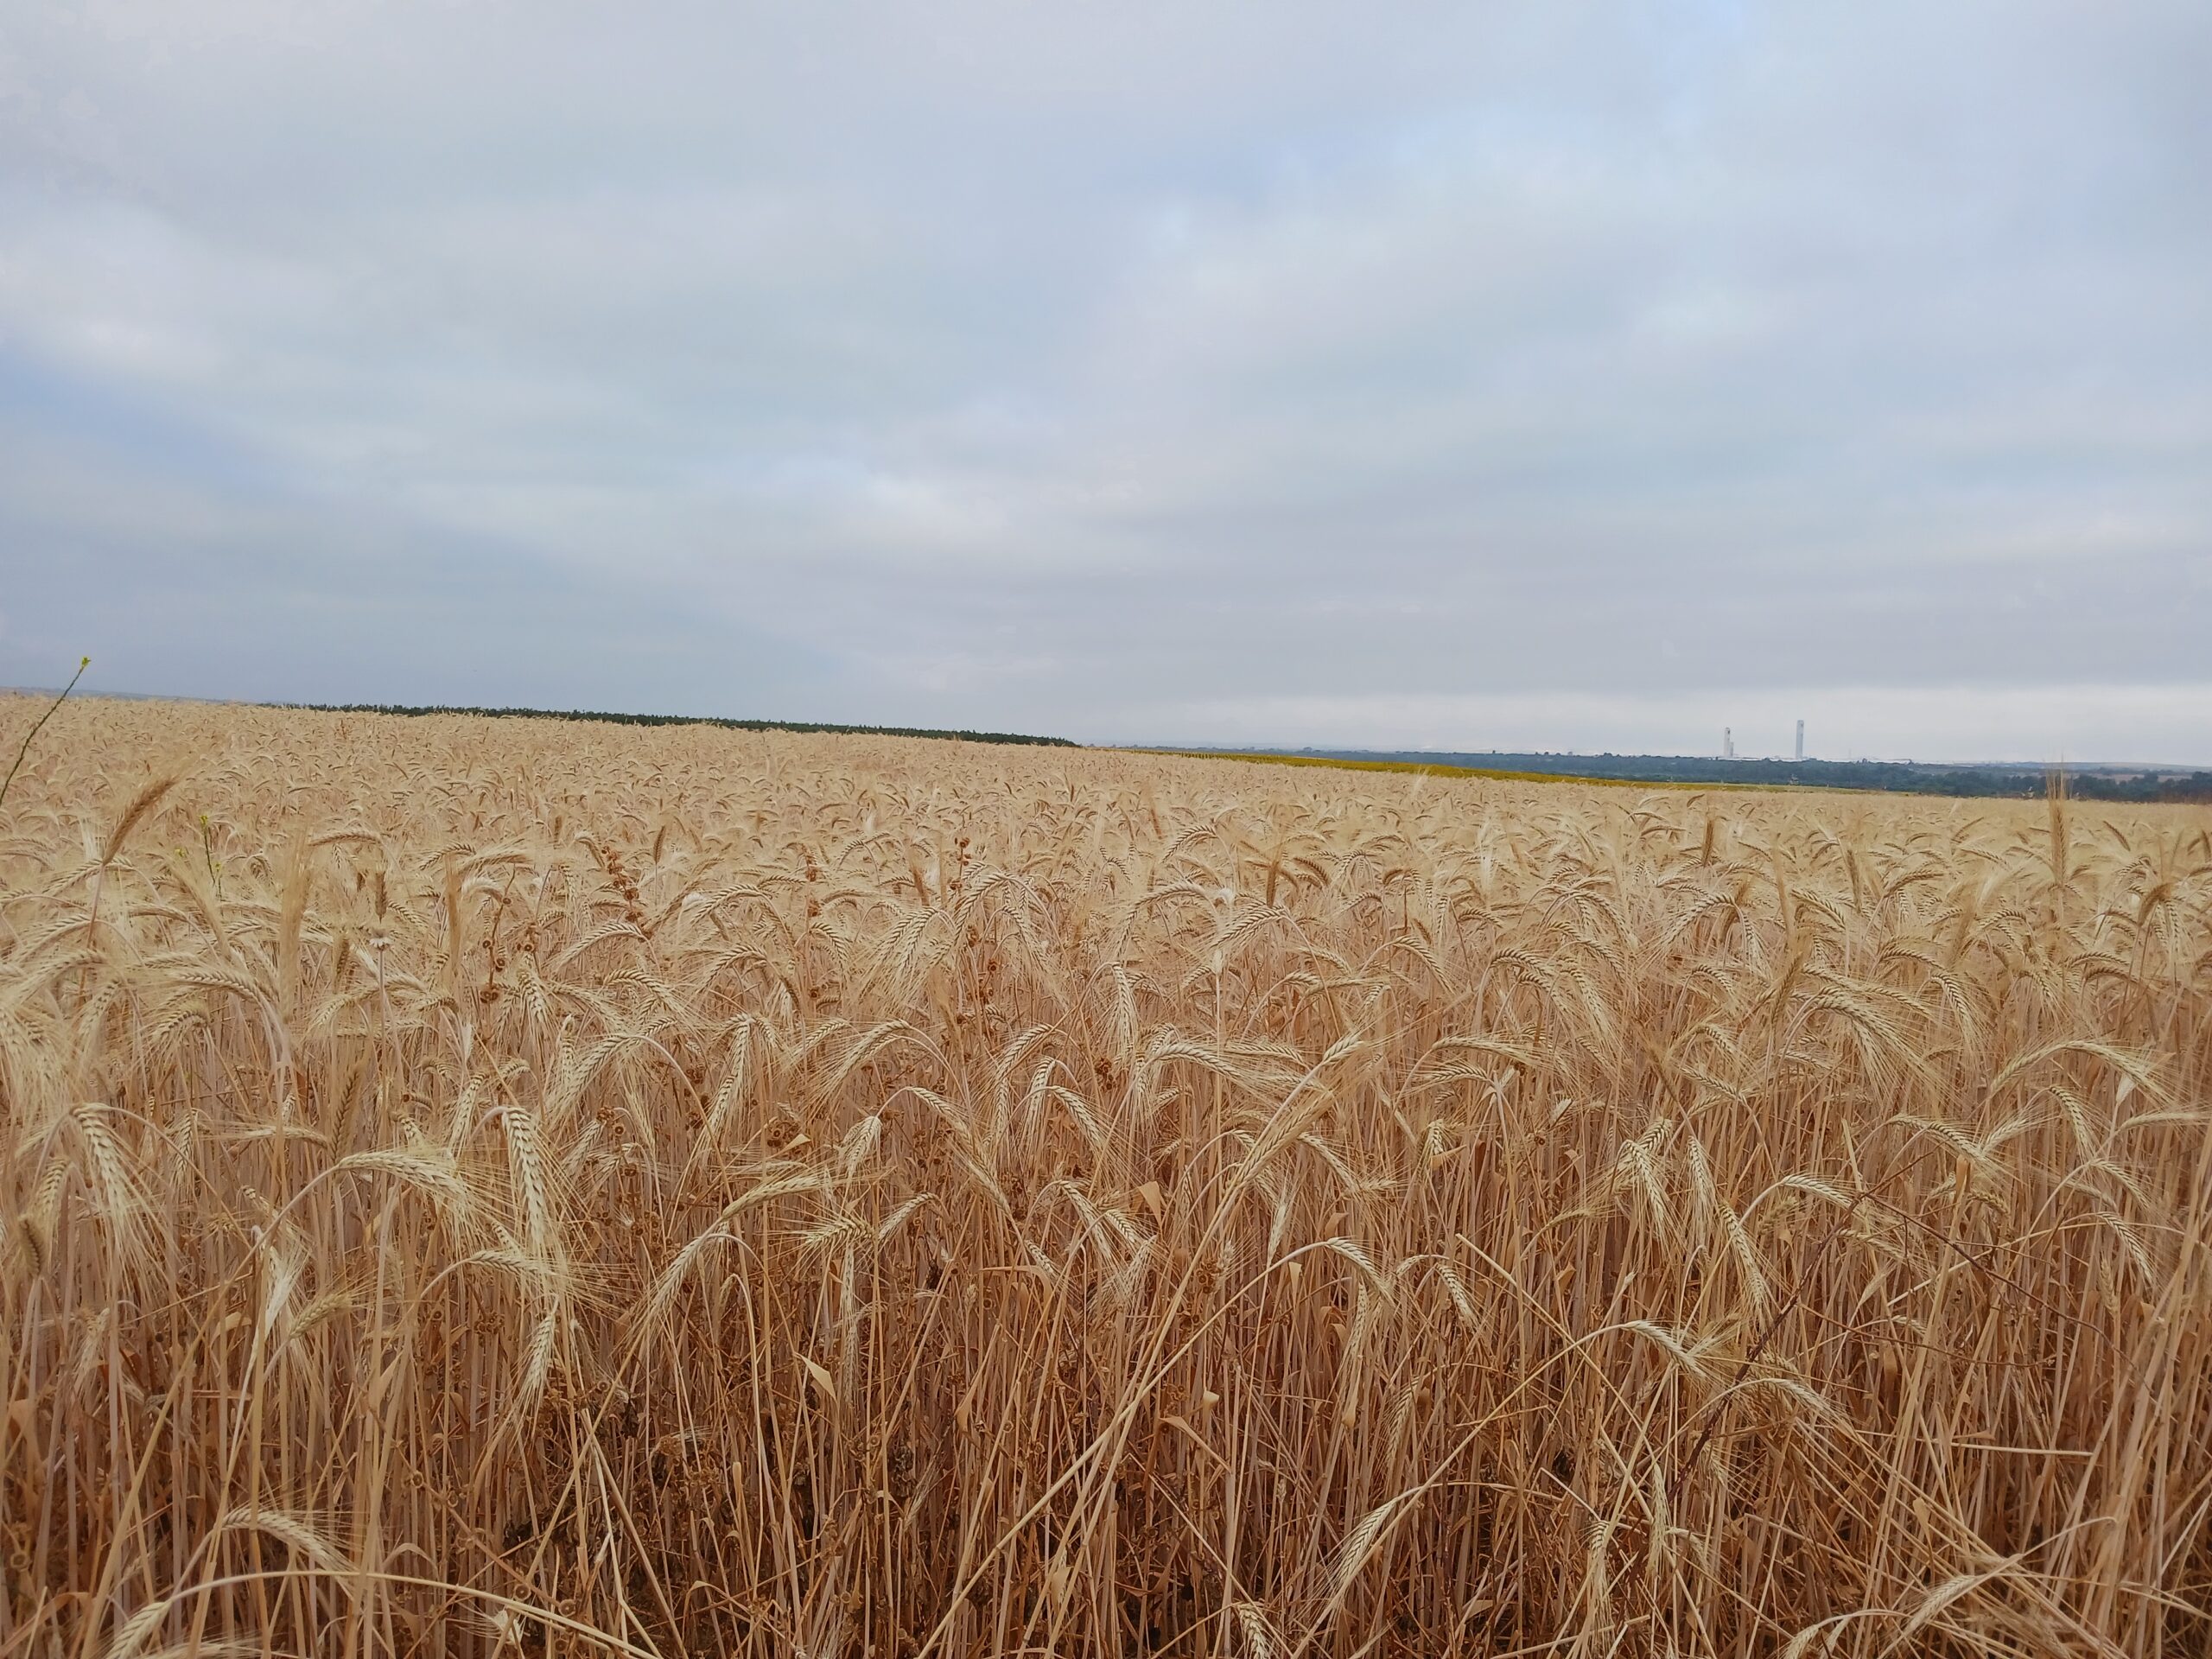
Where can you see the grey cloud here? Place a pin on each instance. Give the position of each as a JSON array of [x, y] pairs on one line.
[[1107, 369]]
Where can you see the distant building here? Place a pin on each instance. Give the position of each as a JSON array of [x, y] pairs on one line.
[[1801, 740], [1727, 743]]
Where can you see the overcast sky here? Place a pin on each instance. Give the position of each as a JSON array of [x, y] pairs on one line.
[[1542, 376]]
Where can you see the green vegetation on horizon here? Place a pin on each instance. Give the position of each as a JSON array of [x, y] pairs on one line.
[[726, 723]]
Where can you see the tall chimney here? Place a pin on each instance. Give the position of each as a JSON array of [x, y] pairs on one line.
[[1801, 740]]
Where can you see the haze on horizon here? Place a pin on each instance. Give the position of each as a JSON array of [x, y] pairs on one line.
[[1466, 378]]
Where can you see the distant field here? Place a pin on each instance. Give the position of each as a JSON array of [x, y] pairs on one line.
[[2099, 782], [1432, 769], [494, 1186]]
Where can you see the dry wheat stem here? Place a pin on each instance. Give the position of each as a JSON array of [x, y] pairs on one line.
[[482, 1186]]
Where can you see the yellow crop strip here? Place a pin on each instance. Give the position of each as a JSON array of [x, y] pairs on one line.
[[1427, 769]]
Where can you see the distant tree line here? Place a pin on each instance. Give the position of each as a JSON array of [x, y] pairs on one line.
[[1901, 775], [677, 720]]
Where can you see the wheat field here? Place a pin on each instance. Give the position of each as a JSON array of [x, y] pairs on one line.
[[486, 1186]]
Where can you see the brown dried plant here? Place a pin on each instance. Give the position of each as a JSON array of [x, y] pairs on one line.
[[475, 1187]]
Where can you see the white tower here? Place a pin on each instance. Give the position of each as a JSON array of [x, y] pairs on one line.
[[1801, 740], [1727, 743]]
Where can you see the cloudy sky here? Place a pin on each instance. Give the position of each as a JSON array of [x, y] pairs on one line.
[[1460, 375]]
